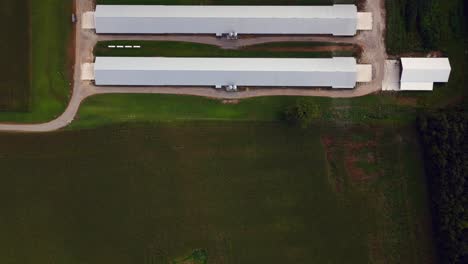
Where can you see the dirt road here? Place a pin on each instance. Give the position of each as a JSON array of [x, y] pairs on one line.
[[372, 42]]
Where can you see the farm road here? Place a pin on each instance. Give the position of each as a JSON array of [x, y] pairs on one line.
[[372, 42]]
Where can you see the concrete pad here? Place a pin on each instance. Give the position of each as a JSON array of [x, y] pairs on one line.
[[414, 86], [87, 71], [392, 74], [364, 21], [87, 21], [364, 73]]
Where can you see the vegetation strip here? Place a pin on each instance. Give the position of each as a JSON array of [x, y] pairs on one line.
[[187, 49], [444, 134]]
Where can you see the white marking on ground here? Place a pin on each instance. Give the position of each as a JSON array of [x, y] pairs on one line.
[[87, 71], [364, 72], [88, 21], [364, 21]]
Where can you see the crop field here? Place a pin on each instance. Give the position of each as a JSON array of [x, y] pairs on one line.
[[229, 192], [15, 72], [37, 55], [224, 2]]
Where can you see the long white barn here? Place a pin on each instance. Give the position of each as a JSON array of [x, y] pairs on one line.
[[339, 20], [159, 71]]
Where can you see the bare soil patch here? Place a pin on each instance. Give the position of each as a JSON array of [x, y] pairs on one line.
[[410, 101], [356, 154], [358, 159]]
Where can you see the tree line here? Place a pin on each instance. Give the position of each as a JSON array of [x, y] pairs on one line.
[[420, 25], [444, 134]]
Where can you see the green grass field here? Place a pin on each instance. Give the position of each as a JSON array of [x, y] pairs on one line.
[[244, 192], [47, 97], [15, 51], [117, 108], [188, 49]]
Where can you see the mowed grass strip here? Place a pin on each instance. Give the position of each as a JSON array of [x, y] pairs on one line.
[[224, 2], [188, 49], [51, 59], [244, 192], [117, 108], [15, 66]]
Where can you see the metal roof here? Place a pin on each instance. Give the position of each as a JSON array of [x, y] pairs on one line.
[[200, 19], [423, 70], [185, 11], [159, 71], [420, 74]]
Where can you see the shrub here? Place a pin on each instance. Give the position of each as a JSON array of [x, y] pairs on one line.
[[302, 113]]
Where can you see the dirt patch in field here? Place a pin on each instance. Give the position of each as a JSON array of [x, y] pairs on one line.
[[335, 177], [376, 249], [350, 159], [410, 101], [360, 153]]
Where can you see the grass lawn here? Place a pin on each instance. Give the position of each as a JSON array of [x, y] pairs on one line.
[[117, 108], [188, 49], [241, 192], [15, 51], [224, 2], [51, 32]]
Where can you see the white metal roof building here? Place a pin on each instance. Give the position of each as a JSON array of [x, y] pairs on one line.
[[420, 74], [158, 71], [339, 20]]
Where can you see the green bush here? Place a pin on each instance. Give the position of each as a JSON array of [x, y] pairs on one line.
[[302, 113]]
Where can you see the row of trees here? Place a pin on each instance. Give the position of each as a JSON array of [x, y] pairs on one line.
[[445, 139], [436, 22]]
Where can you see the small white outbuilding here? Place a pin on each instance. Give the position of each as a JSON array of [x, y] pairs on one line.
[[219, 72], [339, 20], [420, 74]]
